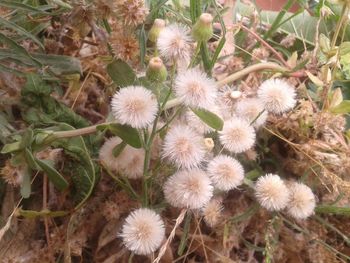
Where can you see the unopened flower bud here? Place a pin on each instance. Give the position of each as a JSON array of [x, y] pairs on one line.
[[158, 25], [202, 30], [156, 71]]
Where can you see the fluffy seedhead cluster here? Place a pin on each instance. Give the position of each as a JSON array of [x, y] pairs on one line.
[[274, 195], [204, 159]]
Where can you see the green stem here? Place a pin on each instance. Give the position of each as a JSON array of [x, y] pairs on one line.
[[278, 19], [339, 25], [196, 52], [330, 209]]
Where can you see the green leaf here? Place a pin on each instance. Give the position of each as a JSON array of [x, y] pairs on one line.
[[127, 133], [119, 148], [79, 166], [11, 147], [209, 118], [30, 159], [20, 6], [62, 4], [27, 138], [142, 43], [17, 49], [47, 213], [54, 176], [58, 64], [121, 73], [26, 184], [342, 108], [345, 62], [21, 31]]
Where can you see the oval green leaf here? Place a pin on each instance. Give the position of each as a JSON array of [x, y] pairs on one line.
[[127, 133], [209, 118], [54, 176], [121, 73], [341, 108]]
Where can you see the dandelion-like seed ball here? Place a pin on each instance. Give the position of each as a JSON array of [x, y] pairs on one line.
[[251, 109], [174, 43], [143, 231], [271, 192], [195, 89], [237, 135], [212, 212], [277, 95], [302, 201], [188, 189], [106, 153], [135, 106], [225, 172], [183, 147], [129, 162]]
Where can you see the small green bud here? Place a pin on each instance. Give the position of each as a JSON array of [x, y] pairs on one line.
[[202, 30], [156, 71], [158, 26]]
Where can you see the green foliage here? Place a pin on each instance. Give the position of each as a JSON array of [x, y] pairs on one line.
[[121, 73], [125, 132], [78, 166], [342, 108], [41, 108], [210, 118], [54, 176]]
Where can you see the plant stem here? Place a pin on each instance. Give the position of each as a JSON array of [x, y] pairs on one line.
[[339, 25], [330, 209], [267, 45], [196, 52], [77, 132], [256, 67]]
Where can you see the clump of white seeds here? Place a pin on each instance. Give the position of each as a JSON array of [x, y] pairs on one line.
[[302, 201], [277, 95], [143, 231], [271, 192], [225, 172], [135, 106], [183, 147], [188, 189], [237, 135]]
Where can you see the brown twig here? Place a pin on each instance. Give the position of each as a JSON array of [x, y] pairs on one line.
[[267, 45], [46, 220], [162, 250]]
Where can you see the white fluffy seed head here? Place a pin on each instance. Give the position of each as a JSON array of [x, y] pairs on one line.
[[195, 89], [106, 153], [128, 163], [143, 231], [302, 201], [135, 106], [237, 135], [251, 109], [277, 95], [225, 172], [183, 147], [271, 192], [188, 189], [212, 212], [174, 43]]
